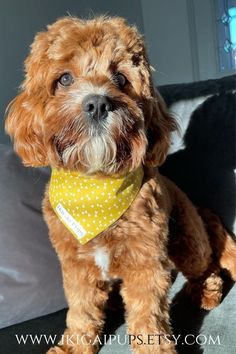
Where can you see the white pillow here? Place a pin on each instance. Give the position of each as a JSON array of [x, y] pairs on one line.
[[30, 277]]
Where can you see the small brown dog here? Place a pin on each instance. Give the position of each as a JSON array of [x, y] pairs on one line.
[[88, 109]]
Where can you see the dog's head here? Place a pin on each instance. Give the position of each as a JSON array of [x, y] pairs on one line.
[[87, 102]]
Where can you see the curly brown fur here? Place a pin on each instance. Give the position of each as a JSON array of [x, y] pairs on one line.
[[222, 242], [49, 127]]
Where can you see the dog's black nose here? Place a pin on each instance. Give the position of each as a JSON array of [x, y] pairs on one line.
[[97, 106]]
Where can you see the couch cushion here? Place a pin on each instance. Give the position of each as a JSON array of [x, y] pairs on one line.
[[202, 158], [29, 270]]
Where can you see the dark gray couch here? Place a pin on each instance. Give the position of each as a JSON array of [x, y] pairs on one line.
[[201, 162]]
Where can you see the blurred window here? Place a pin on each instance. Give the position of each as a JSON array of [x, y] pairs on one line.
[[226, 30]]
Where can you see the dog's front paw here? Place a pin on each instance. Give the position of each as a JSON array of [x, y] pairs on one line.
[[56, 350], [72, 350]]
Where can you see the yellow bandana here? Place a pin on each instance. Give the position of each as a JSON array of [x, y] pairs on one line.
[[87, 205]]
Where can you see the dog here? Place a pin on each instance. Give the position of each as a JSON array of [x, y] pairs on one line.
[[89, 110]]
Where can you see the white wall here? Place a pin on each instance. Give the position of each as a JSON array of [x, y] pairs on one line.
[[181, 37], [167, 36]]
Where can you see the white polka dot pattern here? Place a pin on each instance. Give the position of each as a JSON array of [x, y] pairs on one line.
[[92, 203]]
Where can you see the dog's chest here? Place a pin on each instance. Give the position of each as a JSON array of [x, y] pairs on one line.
[[102, 260]]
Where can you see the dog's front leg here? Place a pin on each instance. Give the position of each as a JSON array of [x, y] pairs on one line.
[[86, 298], [145, 291]]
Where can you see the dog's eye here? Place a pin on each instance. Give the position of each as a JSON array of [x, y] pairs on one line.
[[66, 79], [120, 80]]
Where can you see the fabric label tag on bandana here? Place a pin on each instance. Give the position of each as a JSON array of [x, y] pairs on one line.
[[70, 221], [88, 205]]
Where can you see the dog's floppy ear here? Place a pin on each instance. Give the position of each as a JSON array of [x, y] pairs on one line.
[[160, 124], [23, 124]]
